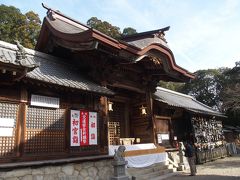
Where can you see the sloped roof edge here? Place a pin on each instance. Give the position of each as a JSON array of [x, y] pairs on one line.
[[187, 102], [52, 70]]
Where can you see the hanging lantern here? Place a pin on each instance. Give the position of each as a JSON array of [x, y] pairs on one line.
[[143, 110], [110, 106]]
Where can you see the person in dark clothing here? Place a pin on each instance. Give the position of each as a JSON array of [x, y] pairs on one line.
[[190, 154]]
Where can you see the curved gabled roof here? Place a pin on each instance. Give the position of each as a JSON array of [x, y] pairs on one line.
[[72, 34]]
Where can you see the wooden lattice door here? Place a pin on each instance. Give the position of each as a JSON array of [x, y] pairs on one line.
[[116, 123]]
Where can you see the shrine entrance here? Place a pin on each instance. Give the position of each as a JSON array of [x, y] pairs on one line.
[[116, 124], [163, 127]]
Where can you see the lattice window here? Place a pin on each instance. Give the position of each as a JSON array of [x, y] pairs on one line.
[[7, 144], [113, 133], [42, 118], [41, 141], [45, 130]]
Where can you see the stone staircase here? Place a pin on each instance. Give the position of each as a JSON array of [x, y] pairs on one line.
[[154, 172]]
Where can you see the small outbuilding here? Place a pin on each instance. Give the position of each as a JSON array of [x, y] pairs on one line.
[[180, 117]]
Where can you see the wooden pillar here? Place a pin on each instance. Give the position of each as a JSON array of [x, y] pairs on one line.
[[126, 117], [21, 122], [149, 101], [103, 126]]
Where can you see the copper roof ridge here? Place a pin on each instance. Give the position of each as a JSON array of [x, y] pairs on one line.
[[61, 14], [78, 22], [147, 32]]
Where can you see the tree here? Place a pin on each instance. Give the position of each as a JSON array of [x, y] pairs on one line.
[[207, 87], [128, 31], [17, 26], [104, 27], [231, 95], [174, 86], [231, 92], [108, 29]]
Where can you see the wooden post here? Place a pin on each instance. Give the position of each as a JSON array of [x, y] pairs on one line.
[[103, 126], [21, 122], [149, 101]]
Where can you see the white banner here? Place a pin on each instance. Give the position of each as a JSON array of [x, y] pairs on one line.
[[92, 128], [75, 128]]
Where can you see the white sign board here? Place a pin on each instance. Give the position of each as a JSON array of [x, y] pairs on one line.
[[44, 101], [92, 128], [7, 122], [6, 132], [165, 136], [159, 138]]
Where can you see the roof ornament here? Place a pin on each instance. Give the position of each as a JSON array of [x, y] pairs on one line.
[[20, 53], [51, 14], [21, 56], [161, 33]]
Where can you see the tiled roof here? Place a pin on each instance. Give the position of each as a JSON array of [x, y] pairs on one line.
[[51, 70], [187, 102], [8, 56]]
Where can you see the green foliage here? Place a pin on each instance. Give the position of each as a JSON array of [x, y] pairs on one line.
[[207, 87], [231, 91], [128, 31], [172, 85], [104, 27], [108, 29], [17, 26]]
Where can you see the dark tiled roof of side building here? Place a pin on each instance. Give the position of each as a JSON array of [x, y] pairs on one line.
[[187, 102], [51, 70]]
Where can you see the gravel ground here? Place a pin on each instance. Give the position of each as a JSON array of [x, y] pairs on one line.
[[221, 169]]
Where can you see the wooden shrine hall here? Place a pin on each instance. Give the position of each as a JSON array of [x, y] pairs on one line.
[[80, 91]]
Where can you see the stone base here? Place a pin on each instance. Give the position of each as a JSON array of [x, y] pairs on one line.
[[120, 178], [180, 167]]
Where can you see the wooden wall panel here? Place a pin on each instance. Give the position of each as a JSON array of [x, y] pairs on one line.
[[10, 93], [45, 131], [140, 125]]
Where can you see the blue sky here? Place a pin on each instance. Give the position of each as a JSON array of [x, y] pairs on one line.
[[204, 34]]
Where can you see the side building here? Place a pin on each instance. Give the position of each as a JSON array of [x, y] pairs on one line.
[[180, 117]]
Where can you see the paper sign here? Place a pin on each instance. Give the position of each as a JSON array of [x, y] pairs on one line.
[[84, 136], [92, 128], [75, 128]]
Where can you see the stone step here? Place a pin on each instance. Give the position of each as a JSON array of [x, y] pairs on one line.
[[153, 175], [164, 176], [146, 170]]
